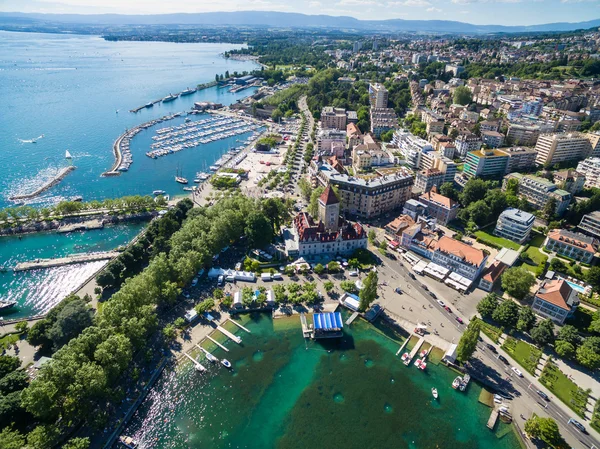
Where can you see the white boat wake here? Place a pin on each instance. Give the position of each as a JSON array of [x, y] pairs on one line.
[[32, 140]]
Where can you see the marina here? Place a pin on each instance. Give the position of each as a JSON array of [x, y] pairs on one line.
[[194, 133]]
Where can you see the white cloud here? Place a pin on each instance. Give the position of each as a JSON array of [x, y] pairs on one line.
[[433, 9], [315, 4], [414, 3], [356, 2]]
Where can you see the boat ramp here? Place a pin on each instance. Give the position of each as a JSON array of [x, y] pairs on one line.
[[74, 258]]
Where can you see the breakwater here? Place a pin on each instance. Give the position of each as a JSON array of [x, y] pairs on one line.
[[50, 183], [73, 258], [121, 150], [198, 88]]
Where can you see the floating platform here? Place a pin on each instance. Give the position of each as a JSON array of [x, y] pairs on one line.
[[493, 419], [352, 318]]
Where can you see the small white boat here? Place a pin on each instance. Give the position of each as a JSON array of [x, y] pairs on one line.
[[188, 189], [68, 155], [128, 442], [405, 356], [226, 363], [457, 382], [434, 392], [181, 180], [158, 192]]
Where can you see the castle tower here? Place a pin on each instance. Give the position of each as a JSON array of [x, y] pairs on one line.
[[329, 209]]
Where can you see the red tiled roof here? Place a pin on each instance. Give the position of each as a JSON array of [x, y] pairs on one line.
[[328, 197], [435, 197], [555, 292], [569, 239], [493, 272], [466, 252]]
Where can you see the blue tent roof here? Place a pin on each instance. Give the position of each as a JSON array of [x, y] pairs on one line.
[[328, 321]]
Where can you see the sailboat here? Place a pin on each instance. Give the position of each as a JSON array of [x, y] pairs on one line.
[[180, 179], [68, 155]]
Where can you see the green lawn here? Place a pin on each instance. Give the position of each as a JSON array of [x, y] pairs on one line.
[[564, 388], [491, 331], [496, 241], [523, 353], [9, 339], [535, 255], [537, 240]]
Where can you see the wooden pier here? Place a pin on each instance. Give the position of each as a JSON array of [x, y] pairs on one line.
[[217, 343], [493, 419], [74, 258], [414, 351], [240, 326], [235, 338], [403, 345], [352, 318]]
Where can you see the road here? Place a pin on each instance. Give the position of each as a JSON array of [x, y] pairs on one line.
[[526, 386]]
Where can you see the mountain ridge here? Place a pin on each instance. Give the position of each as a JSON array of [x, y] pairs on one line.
[[298, 20]]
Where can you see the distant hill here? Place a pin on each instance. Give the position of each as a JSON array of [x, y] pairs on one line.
[[283, 19]]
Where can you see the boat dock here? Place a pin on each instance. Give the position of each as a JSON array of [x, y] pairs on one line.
[[62, 173], [240, 326], [307, 330], [352, 318], [493, 419], [414, 351], [196, 89], [74, 258], [217, 343], [225, 332], [403, 345], [196, 363]]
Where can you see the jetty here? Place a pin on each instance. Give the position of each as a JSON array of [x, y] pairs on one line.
[[62, 173], [414, 351], [352, 318], [403, 345], [73, 258], [197, 364], [153, 102], [209, 356], [217, 343], [85, 226], [493, 419], [225, 332], [240, 326]]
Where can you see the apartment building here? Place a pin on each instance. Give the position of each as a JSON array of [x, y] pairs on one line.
[[370, 197], [383, 120], [459, 257], [570, 180], [520, 134], [492, 139], [465, 143], [590, 167], [411, 147], [378, 95], [331, 141], [533, 107], [333, 118], [363, 157], [590, 224], [521, 159], [486, 163], [442, 208], [434, 122], [556, 300], [427, 179], [538, 191], [353, 135], [556, 148], [515, 225], [571, 244], [489, 125]]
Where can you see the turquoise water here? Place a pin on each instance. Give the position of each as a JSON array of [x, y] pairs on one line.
[[284, 393], [68, 88], [577, 288], [37, 291]]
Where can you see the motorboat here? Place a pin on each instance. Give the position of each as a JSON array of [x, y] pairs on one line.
[[128, 442], [423, 353], [405, 356], [188, 189], [226, 363], [211, 358], [457, 382], [158, 192], [434, 392], [422, 365], [5, 305]]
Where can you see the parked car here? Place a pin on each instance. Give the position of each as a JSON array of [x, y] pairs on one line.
[[543, 395], [448, 309], [412, 276], [578, 425], [397, 290], [392, 256], [353, 273], [432, 295], [517, 371], [503, 359], [424, 287], [491, 347], [459, 319], [441, 303], [220, 281]]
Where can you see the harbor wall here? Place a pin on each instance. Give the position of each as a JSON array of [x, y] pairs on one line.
[[55, 180]]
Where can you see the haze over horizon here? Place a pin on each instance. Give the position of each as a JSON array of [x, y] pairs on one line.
[[479, 12]]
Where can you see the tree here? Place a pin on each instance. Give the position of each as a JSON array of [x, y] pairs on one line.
[[21, 326], [517, 282], [43, 436], [382, 247], [354, 264], [8, 364], [170, 332], [488, 305], [543, 333], [305, 188], [588, 354], [368, 293], [593, 277], [319, 269], [77, 443], [549, 209], [70, 322], [557, 264], [11, 439], [468, 341], [462, 95], [564, 349], [205, 306], [13, 381], [348, 286], [544, 429], [447, 189], [479, 212], [313, 206], [507, 314], [526, 319], [328, 286], [569, 334], [475, 189], [333, 267], [372, 237], [259, 230]]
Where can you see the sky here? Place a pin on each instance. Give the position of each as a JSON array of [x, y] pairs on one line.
[[481, 12]]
